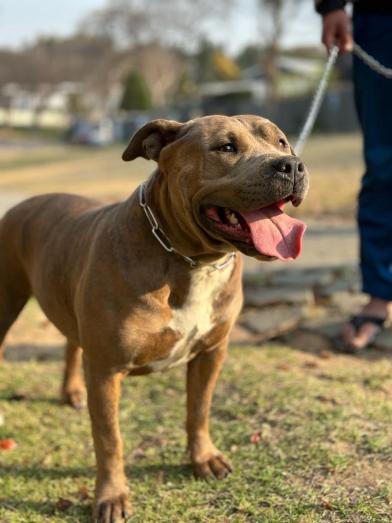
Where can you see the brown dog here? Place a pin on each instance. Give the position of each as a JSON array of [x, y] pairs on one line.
[[154, 281]]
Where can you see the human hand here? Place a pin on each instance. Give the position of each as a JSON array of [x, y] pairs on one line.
[[336, 30]]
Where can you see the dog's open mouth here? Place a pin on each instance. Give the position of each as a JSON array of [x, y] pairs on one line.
[[269, 230]]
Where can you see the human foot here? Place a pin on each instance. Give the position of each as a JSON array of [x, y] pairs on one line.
[[363, 328]]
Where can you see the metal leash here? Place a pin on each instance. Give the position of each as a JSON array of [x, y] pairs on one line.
[[163, 239], [317, 101], [371, 62], [318, 97]]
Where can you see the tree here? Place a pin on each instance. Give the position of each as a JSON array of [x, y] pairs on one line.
[[136, 95], [132, 23], [249, 56], [212, 64], [150, 33], [275, 16]]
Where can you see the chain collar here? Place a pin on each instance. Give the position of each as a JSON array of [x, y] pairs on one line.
[[162, 238]]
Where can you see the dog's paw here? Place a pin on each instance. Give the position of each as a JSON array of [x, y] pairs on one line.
[[113, 510], [75, 397], [215, 467]]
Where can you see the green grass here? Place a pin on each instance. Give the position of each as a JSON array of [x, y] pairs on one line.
[[325, 453]]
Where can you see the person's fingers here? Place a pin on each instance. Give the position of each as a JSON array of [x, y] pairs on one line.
[[336, 31], [347, 42], [340, 37], [328, 39]]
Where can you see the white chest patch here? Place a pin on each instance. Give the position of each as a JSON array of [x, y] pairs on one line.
[[195, 318]]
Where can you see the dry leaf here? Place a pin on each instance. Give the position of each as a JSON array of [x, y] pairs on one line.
[[63, 504], [326, 504], [8, 444], [255, 438], [84, 492]]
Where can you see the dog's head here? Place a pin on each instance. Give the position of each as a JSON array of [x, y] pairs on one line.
[[228, 179]]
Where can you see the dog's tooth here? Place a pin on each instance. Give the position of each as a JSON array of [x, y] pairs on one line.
[[233, 219], [230, 216]]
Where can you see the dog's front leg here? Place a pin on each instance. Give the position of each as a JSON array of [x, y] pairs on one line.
[[202, 374], [111, 492]]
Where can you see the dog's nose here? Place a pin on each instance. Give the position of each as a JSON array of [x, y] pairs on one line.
[[289, 165]]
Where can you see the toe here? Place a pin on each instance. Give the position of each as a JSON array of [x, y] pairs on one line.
[[76, 398], [366, 335], [220, 467], [203, 470], [348, 334], [113, 510], [216, 467], [104, 512]]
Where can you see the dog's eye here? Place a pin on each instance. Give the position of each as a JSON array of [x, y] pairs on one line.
[[283, 143], [227, 148]]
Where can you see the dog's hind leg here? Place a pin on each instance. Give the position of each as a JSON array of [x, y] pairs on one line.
[[73, 390], [14, 293], [10, 307]]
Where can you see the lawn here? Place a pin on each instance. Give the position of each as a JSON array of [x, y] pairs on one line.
[[309, 438]]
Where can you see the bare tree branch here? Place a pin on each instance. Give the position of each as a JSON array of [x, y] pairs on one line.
[[275, 17], [136, 22]]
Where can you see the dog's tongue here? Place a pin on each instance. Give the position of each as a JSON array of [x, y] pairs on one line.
[[274, 233]]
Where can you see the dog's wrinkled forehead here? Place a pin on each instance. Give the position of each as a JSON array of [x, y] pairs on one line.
[[244, 127], [246, 132]]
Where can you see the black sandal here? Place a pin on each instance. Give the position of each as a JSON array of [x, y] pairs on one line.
[[357, 322]]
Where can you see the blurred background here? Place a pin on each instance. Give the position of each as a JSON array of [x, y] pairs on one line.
[[77, 79]]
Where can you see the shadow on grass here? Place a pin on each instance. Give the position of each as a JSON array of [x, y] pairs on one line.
[[37, 473], [34, 352], [76, 512], [169, 472], [82, 509], [14, 398]]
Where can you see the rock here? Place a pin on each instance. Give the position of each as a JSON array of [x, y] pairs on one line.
[[339, 285], [328, 327], [270, 322], [303, 278], [258, 296], [254, 278], [308, 341], [348, 273], [241, 336], [384, 340], [348, 302]]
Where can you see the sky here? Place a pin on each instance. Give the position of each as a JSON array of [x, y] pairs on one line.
[[21, 21]]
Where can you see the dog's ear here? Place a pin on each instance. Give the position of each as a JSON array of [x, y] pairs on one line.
[[150, 139]]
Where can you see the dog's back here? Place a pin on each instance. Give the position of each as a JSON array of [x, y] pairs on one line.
[[29, 235]]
